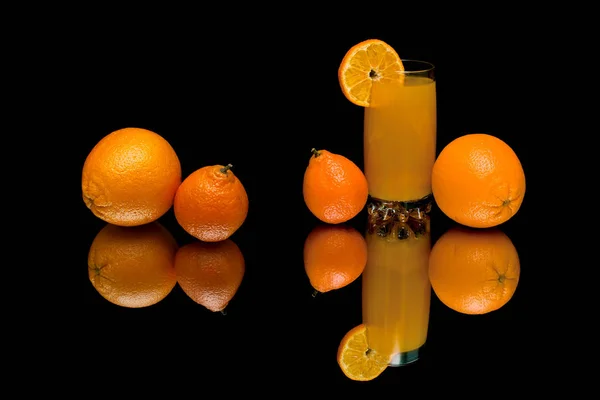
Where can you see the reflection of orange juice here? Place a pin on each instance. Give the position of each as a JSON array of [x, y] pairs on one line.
[[400, 137], [396, 295]]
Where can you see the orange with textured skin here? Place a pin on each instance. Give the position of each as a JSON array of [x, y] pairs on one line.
[[334, 256], [130, 177], [355, 359], [367, 62], [210, 273], [133, 266], [478, 181], [211, 203], [474, 271], [335, 190]]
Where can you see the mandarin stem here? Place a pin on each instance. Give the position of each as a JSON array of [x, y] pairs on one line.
[[226, 168], [224, 311], [315, 293], [316, 152]]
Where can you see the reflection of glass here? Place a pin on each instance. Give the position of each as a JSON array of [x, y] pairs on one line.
[[400, 134], [133, 266], [396, 290]]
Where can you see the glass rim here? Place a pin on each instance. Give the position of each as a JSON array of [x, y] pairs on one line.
[[427, 66]]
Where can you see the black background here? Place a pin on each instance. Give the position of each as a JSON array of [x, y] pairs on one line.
[[260, 101]]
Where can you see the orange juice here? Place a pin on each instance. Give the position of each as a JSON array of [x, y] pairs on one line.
[[400, 137], [396, 295]]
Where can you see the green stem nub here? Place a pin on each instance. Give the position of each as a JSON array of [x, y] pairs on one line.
[[226, 168], [316, 152]]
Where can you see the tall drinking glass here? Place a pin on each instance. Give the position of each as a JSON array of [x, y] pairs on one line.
[[400, 134], [399, 152]]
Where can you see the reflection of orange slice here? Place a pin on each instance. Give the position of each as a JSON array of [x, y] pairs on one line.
[[356, 360], [366, 62]]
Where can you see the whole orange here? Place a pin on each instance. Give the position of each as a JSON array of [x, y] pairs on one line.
[[130, 177], [210, 273], [133, 266], [478, 181], [335, 189], [334, 256], [474, 271], [211, 203]]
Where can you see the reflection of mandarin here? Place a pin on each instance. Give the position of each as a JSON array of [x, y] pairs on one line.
[[334, 256], [474, 271], [210, 273], [133, 266], [130, 177]]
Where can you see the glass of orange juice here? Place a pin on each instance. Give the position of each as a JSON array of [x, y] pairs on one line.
[[400, 135], [396, 291]]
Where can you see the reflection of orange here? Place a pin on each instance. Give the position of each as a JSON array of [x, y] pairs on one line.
[[474, 271], [130, 177], [133, 266], [334, 256], [478, 181], [210, 273]]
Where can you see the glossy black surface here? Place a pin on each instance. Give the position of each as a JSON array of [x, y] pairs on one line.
[[214, 109]]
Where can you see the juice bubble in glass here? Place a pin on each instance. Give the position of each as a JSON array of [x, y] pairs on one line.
[[400, 134]]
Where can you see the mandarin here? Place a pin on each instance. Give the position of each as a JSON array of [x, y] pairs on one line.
[[133, 266], [210, 273], [130, 177], [478, 181], [474, 271], [334, 256], [211, 203], [335, 189]]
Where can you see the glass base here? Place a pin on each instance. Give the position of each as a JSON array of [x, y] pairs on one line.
[[405, 358], [402, 219]]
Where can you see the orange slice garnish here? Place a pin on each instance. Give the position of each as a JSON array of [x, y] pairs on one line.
[[366, 62], [356, 360]]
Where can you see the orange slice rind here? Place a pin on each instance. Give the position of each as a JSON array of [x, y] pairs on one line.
[[366, 62], [356, 360]]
